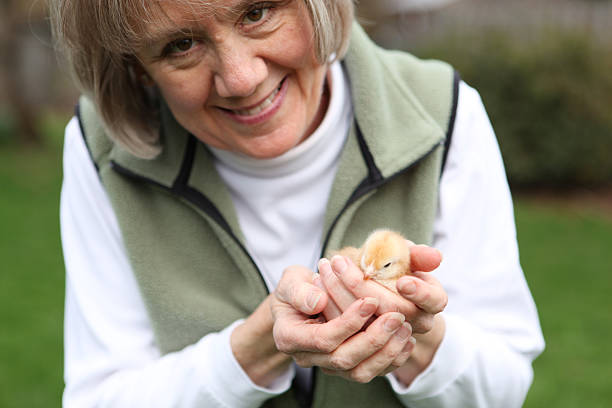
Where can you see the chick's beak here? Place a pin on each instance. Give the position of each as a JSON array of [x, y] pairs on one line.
[[369, 272]]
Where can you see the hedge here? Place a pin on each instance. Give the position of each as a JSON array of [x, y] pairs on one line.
[[549, 97]]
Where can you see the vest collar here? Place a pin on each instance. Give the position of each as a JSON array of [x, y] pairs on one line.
[[396, 128]]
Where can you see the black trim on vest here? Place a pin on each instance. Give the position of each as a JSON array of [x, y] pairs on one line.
[[77, 113], [451, 121], [188, 158], [135, 176], [182, 189], [374, 175]]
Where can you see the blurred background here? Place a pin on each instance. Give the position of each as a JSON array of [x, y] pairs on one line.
[[544, 71]]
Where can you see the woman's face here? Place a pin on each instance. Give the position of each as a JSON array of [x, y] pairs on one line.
[[242, 77]]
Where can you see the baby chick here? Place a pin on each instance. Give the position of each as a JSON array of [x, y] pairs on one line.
[[384, 257]]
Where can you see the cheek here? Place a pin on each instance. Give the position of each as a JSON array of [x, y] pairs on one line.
[[184, 91], [296, 50]]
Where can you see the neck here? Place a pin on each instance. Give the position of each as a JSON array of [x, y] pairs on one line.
[[322, 110]]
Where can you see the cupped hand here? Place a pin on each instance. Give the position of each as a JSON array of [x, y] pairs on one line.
[[339, 345], [420, 298]]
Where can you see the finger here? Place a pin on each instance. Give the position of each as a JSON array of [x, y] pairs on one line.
[[335, 288], [404, 355], [353, 280], [293, 336], [389, 358], [296, 289], [359, 347], [424, 290], [383, 351], [424, 258], [332, 310]]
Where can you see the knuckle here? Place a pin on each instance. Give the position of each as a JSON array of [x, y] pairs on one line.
[[283, 345], [375, 342], [323, 344], [340, 362], [302, 360], [423, 324], [283, 340], [360, 376], [389, 354]]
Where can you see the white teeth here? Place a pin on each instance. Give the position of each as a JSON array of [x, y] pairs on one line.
[[263, 105]]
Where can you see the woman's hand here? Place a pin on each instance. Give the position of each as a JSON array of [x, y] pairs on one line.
[[339, 345], [421, 298]]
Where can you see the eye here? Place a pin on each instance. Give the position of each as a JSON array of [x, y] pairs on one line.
[[387, 265], [256, 15], [180, 46]]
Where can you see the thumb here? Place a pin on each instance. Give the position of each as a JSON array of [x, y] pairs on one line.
[[424, 258], [297, 289]]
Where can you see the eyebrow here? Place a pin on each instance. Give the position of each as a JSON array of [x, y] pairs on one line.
[[170, 30]]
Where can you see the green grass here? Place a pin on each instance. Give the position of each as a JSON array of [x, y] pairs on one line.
[[567, 257], [565, 253], [31, 277]]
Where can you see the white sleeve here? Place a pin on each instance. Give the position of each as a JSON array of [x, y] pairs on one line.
[[492, 327], [111, 359]]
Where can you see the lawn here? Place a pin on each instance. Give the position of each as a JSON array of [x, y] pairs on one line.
[[566, 254], [31, 277], [567, 257]]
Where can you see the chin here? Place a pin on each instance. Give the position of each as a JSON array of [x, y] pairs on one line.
[[273, 147], [267, 153]]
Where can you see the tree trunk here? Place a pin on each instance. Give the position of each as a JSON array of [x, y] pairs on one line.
[[10, 74]]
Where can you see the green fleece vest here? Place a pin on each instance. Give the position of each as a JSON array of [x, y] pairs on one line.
[[181, 231]]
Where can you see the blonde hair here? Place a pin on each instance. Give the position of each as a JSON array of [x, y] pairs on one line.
[[100, 38]]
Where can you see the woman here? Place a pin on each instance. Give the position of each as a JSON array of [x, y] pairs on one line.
[[220, 143]]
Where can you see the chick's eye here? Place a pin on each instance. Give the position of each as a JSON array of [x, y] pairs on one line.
[[387, 265], [255, 15]]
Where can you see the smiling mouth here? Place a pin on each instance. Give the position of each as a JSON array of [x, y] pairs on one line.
[[260, 107]]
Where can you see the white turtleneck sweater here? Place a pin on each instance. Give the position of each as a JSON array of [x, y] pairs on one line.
[[492, 329]]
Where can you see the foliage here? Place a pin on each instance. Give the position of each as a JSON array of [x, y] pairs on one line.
[[548, 95]]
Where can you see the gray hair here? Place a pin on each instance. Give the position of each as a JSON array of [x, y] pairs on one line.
[[100, 39]]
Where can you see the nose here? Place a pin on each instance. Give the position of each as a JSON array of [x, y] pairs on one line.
[[239, 70]]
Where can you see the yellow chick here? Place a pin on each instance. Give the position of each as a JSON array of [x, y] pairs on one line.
[[384, 257]]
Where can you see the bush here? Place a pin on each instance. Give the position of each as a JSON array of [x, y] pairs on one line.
[[549, 99]]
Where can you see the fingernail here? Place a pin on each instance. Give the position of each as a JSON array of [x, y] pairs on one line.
[[404, 332], [412, 340], [313, 299], [394, 322], [323, 262], [368, 307], [339, 264], [408, 288]]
